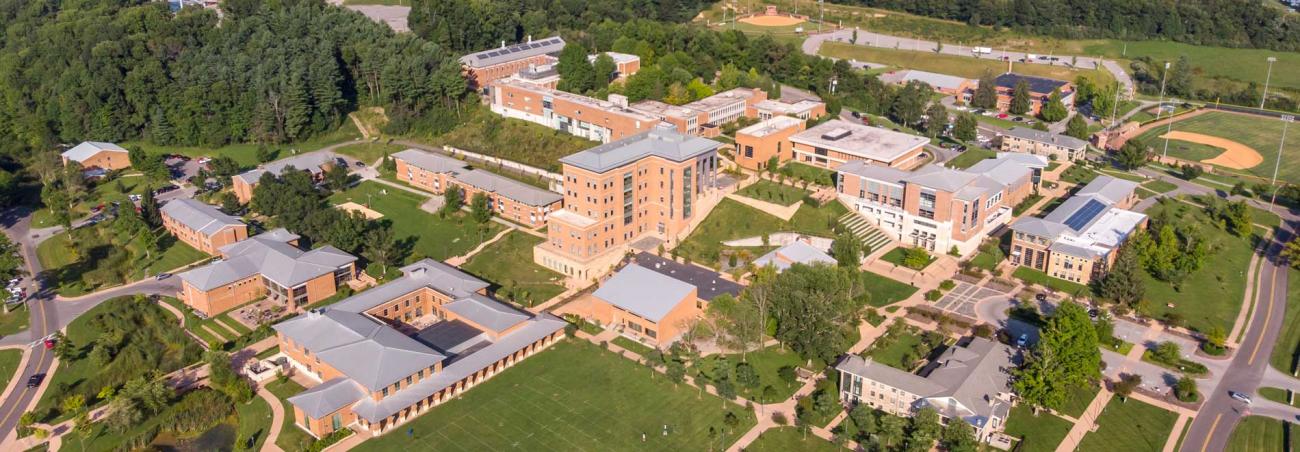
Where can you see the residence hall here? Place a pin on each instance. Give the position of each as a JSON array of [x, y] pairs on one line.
[[805, 109], [574, 114], [1078, 241], [758, 143], [1063, 148], [705, 117], [648, 185], [97, 155], [959, 88], [935, 208], [971, 380], [390, 353], [837, 141], [271, 265], [653, 300], [483, 68], [1039, 90], [315, 163], [202, 225], [510, 199]]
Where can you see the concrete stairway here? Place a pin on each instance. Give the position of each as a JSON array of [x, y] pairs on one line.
[[872, 237]]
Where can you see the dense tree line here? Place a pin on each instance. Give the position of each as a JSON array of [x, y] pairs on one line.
[[267, 72], [1231, 23]]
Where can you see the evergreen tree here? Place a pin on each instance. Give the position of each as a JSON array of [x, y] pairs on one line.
[[1132, 155], [1020, 98], [937, 120], [603, 70], [966, 127], [1124, 282], [149, 209], [576, 73], [480, 208], [986, 94], [1077, 127], [161, 132], [1055, 109]]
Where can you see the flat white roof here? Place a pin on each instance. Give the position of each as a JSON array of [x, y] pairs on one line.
[[770, 126], [874, 143], [1107, 232]]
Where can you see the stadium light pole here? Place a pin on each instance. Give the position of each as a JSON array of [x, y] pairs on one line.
[[1169, 130], [1114, 108], [1160, 107], [1286, 119], [1267, 76]]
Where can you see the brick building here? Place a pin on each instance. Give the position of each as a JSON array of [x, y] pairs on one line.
[[100, 155], [837, 141], [625, 64], [653, 300], [1039, 90], [758, 143], [647, 185], [959, 88], [510, 199], [201, 225], [1078, 240], [483, 68], [1055, 146], [804, 109], [316, 163], [582, 116], [704, 117], [389, 354], [271, 265]]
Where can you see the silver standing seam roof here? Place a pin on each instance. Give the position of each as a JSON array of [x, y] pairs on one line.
[[372, 355], [643, 292], [1108, 188], [708, 283], [88, 149], [513, 52], [310, 162], [270, 256], [199, 216], [481, 179], [797, 252], [1040, 136], [662, 141]]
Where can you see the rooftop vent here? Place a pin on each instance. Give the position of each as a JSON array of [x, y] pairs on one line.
[[836, 133]]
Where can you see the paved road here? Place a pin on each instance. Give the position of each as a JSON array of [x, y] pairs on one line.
[[44, 320], [867, 38], [1220, 414]]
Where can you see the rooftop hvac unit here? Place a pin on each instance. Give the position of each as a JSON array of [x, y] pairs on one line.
[[836, 133]]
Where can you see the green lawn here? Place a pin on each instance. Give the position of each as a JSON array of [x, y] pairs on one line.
[[508, 265], [775, 193], [1033, 276], [1262, 434], [1159, 186], [1129, 426], [903, 347], [1288, 342], [732, 220], [1260, 134], [895, 256], [1078, 174], [573, 396], [246, 153], [369, 152], [1036, 433], [1077, 401], [1209, 63], [254, 421], [961, 66], [970, 157], [786, 439], [633, 346], [291, 436], [884, 291], [812, 174], [14, 321], [434, 237], [1277, 395], [9, 360], [1212, 295], [95, 261], [99, 192], [1026, 204], [766, 362]]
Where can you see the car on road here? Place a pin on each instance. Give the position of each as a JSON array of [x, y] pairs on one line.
[[204, 160], [1239, 396], [49, 344], [361, 164], [162, 276], [855, 114], [1022, 340], [35, 380], [165, 189]]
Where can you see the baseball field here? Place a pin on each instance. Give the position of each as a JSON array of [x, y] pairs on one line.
[[1240, 143]]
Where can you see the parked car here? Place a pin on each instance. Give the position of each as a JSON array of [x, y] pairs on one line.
[[1018, 119], [361, 164], [1022, 340], [49, 344], [1003, 115], [35, 380], [134, 198], [165, 189], [162, 276], [1240, 397], [204, 160]]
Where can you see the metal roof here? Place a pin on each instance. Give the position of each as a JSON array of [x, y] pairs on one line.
[[199, 216], [310, 162], [426, 273], [663, 142], [430, 161], [934, 80], [1036, 84], [327, 397], [363, 349], [708, 283], [487, 313], [88, 149], [510, 188], [270, 256], [797, 252], [770, 126], [1110, 189], [973, 374], [513, 52], [644, 292], [1040, 136]]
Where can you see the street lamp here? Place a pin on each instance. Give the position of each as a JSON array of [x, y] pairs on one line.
[[1160, 107], [1286, 119], [1269, 75], [1169, 130]]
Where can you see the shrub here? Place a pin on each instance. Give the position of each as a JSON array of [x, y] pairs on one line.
[[787, 374], [947, 284], [779, 418], [329, 440], [1185, 389], [933, 295]]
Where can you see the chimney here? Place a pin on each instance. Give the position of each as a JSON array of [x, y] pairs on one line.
[[503, 43], [530, 39]]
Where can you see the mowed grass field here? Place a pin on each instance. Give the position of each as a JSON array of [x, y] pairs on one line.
[[1211, 295], [437, 238], [573, 397], [956, 65], [1261, 134], [1288, 343], [1129, 426], [1246, 65], [1039, 433], [786, 439], [508, 265], [1261, 434]]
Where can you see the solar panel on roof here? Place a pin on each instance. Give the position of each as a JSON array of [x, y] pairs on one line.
[[534, 45], [481, 56], [1085, 214], [494, 53]]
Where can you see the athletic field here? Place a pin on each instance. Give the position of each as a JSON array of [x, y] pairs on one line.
[[1258, 133]]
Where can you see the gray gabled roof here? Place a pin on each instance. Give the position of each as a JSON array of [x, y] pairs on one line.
[[889, 376], [973, 373], [365, 350], [663, 141], [426, 273], [327, 397], [1038, 227], [509, 188], [1039, 85], [797, 252], [270, 256], [1112, 190], [199, 216], [1006, 171], [513, 52], [310, 162], [643, 292], [487, 313], [430, 161], [708, 283], [88, 149], [1047, 137]]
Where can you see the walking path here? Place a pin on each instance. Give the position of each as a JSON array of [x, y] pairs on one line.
[[785, 213], [457, 261], [277, 419]]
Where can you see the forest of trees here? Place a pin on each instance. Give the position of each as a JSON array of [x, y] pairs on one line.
[[267, 72], [1230, 23]]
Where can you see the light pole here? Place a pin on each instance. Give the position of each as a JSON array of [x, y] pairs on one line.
[[1114, 108], [1267, 76], [1169, 130], [1286, 119], [1160, 107]]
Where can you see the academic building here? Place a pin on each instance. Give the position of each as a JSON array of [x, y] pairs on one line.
[[483, 68], [647, 185], [1058, 147], [314, 163], [758, 143], [835, 142], [577, 115], [510, 199], [1078, 241]]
